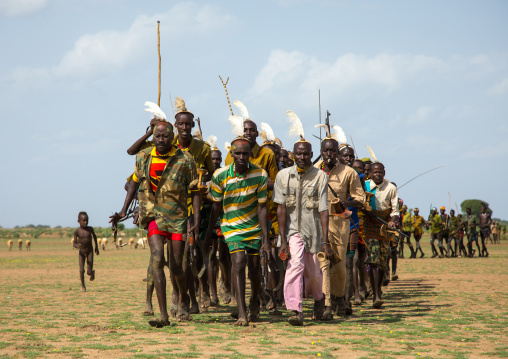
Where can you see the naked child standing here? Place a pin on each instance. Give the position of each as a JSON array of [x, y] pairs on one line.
[[83, 242]]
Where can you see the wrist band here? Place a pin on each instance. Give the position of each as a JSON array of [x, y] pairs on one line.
[[325, 243]]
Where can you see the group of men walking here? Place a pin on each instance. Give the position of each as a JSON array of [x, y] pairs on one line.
[[325, 230]]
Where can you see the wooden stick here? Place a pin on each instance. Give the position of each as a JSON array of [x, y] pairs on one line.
[[227, 96], [159, 51], [354, 148]]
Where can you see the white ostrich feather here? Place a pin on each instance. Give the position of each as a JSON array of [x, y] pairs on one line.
[[198, 135], [212, 140], [267, 132], [339, 135], [296, 128], [227, 146], [236, 125], [325, 127], [374, 159], [155, 110], [243, 110]]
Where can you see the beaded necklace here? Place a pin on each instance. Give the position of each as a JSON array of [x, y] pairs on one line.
[[237, 177], [182, 148]]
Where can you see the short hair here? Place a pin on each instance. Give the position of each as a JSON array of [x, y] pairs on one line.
[[167, 124], [238, 139], [377, 164], [185, 112], [468, 208], [82, 213]]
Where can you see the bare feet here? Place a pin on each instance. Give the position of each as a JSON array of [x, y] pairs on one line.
[[92, 276], [194, 309], [83, 289], [241, 323], [148, 312]]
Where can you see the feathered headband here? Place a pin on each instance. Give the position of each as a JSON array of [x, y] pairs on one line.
[[243, 110], [212, 141], [236, 139], [236, 125], [374, 159], [267, 134], [180, 106], [155, 111], [334, 133], [296, 128], [279, 142]]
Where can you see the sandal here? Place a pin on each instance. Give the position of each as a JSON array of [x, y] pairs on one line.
[[327, 314], [296, 320], [158, 323], [377, 304]]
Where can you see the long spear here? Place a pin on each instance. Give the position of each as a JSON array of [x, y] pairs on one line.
[[159, 51]]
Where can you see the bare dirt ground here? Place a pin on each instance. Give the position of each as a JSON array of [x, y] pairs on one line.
[[446, 308]]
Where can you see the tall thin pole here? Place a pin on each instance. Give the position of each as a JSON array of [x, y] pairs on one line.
[[319, 98], [159, 51]]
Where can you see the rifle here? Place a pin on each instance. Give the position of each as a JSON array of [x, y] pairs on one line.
[[327, 123]]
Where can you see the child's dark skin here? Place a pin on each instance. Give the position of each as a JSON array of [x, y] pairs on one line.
[[83, 242]]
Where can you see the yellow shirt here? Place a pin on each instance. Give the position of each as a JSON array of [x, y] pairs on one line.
[[202, 155]]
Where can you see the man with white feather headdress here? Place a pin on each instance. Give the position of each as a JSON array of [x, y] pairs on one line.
[[162, 177], [239, 195], [201, 153], [346, 185], [261, 157], [274, 144], [302, 197]]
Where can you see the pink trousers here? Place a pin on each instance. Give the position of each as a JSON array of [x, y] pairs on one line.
[[302, 266]]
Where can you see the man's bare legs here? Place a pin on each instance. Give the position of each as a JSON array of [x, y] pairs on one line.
[[225, 267], [156, 243], [178, 277], [239, 262], [149, 288], [212, 274]]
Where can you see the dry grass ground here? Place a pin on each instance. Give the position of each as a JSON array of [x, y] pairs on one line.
[[446, 308]]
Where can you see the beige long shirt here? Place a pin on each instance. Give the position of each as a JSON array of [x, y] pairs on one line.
[[345, 182], [304, 196]]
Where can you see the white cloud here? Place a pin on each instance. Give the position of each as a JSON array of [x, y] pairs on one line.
[[383, 73], [21, 7], [110, 51], [499, 89]]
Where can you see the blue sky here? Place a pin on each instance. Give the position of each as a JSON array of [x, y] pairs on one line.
[[424, 83]]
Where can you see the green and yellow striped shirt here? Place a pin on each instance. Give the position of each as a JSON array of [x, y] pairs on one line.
[[240, 198]]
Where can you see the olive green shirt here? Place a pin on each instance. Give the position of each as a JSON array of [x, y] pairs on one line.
[[168, 205]]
